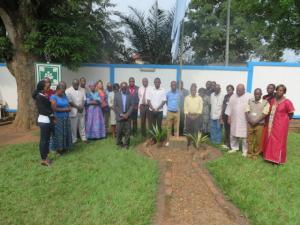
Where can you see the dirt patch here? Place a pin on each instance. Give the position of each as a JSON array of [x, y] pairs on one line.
[[186, 193], [9, 134]]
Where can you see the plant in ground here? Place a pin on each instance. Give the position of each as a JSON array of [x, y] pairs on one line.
[[159, 135], [198, 139]]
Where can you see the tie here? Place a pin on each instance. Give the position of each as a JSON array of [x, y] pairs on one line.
[[144, 97]]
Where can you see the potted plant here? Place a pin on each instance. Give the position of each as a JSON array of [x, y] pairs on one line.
[[158, 135]]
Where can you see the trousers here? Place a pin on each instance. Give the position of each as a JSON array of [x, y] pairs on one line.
[[78, 124]]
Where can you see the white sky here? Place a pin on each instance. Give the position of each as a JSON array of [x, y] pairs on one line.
[[142, 5]]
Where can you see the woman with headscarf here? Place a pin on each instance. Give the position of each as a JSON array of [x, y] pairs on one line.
[[45, 120], [104, 103], [94, 124]]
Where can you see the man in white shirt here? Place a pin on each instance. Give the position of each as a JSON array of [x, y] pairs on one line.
[[216, 101], [156, 99], [143, 106], [237, 119], [76, 99]]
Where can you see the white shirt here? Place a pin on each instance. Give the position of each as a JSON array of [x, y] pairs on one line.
[[141, 93], [77, 97], [156, 97], [216, 102], [43, 119]]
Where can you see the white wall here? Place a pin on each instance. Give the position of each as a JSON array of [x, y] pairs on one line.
[[289, 76], [221, 77], [8, 88], [90, 73], [166, 76]]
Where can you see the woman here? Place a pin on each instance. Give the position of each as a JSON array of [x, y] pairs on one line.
[[111, 97], [271, 93], [104, 103], [94, 125], [204, 124], [269, 97], [230, 90], [45, 120], [282, 110], [49, 91], [62, 139]]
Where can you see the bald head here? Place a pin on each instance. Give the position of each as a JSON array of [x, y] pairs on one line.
[[240, 89]]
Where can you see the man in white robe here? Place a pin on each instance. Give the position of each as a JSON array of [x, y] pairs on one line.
[[237, 119]]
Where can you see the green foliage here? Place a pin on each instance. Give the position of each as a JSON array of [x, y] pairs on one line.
[[159, 135], [150, 35], [93, 184], [258, 29], [265, 193], [207, 29], [197, 139], [276, 21], [71, 32]]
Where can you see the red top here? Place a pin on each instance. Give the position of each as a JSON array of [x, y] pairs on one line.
[[49, 93]]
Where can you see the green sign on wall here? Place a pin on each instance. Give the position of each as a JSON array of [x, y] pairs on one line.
[[53, 71]]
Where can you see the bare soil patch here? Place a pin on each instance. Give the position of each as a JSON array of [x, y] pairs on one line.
[[186, 192], [10, 134]]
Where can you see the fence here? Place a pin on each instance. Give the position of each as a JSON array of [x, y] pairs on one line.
[[254, 75]]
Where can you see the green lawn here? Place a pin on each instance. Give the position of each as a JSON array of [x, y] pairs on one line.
[[266, 194], [94, 184]]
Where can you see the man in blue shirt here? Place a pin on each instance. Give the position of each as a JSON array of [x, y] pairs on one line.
[[173, 103]]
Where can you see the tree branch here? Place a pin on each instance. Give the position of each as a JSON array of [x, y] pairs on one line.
[[9, 26]]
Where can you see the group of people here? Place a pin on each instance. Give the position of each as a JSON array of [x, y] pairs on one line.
[[91, 112]]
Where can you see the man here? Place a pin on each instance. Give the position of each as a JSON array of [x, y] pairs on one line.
[[156, 99], [216, 100], [204, 125], [257, 109], [183, 93], [123, 108], [143, 105], [109, 88], [237, 119], [213, 86], [193, 106], [133, 91], [77, 115], [173, 99], [82, 85], [230, 90], [208, 88]]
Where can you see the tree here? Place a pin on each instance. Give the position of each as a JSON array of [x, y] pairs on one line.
[[207, 29], [277, 22], [66, 31], [150, 36]]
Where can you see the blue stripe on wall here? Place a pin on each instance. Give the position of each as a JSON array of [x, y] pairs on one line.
[[112, 74]]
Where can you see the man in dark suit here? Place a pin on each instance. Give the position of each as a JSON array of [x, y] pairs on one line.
[[133, 91], [123, 107]]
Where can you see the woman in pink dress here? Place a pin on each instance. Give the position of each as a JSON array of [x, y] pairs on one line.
[[282, 110]]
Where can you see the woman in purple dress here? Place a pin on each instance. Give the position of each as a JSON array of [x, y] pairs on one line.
[[94, 125]]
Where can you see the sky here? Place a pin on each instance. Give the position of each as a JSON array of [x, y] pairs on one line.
[[142, 5]]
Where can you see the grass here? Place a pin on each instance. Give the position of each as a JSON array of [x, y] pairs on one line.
[[93, 184], [266, 194]]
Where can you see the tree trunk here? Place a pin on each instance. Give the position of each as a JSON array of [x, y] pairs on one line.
[[22, 68], [21, 65]]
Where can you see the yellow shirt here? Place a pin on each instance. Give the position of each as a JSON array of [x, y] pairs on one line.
[[193, 104]]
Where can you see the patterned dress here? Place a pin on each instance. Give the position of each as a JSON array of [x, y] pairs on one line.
[[94, 122], [62, 137]]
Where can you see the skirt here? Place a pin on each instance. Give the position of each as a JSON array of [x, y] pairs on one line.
[[62, 137]]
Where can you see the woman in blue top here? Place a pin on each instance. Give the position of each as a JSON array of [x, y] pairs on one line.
[[62, 138]]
